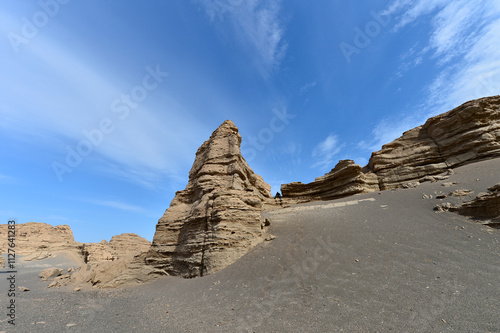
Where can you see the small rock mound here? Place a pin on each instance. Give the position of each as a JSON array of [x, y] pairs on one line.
[[486, 206], [216, 219]]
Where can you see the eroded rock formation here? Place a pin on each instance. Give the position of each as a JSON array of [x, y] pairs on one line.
[[347, 178], [216, 219], [104, 264], [120, 246], [468, 133], [38, 240], [486, 206]]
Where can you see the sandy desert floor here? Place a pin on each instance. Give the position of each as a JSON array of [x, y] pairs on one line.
[[378, 262]]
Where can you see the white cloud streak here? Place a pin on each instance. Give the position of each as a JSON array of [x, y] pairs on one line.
[[115, 204], [463, 42], [325, 151], [256, 24]]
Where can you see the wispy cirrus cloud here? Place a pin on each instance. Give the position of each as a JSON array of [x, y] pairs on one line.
[[463, 40], [462, 44], [257, 25], [325, 151], [115, 204]]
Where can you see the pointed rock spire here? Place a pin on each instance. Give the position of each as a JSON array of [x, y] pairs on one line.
[[216, 219]]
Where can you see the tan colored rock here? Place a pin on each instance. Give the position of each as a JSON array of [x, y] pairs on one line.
[[461, 193], [2, 261], [95, 252], [216, 219], [120, 246], [51, 272], [39, 239], [111, 274], [129, 245], [346, 179], [486, 206], [468, 133]]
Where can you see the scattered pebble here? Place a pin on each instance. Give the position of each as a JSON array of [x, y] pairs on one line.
[[70, 325], [77, 289], [23, 288]]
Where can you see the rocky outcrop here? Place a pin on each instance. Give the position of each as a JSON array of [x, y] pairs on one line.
[[38, 240], [468, 133], [120, 246], [486, 206], [105, 264], [216, 219], [110, 274], [346, 179]]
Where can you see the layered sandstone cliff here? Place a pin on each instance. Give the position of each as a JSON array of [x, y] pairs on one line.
[[216, 219], [346, 179], [468, 133], [103, 264], [36, 240]]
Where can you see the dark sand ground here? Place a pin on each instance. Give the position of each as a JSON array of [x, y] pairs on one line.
[[378, 262]]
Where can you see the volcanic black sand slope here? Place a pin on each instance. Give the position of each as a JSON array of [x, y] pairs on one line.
[[375, 262]]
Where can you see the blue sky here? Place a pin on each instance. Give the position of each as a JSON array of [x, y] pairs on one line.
[[104, 103]]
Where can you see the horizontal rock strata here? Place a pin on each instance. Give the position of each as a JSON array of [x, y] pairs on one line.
[[104, 264], [346, 179], [38, 240], [486, 206], [217, 218], [468, 133]]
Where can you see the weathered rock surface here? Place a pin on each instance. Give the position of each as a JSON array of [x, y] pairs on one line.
[[39, 240], [216, 219], [120, 246], [485, 207], [106, 264], [346, 179], [51, 272], [110, 274], [468, 133]]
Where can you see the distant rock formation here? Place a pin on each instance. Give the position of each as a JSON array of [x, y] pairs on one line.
[[103, 264], [468, 133], [346, 179], [38, 240], [216, 219], [120, 246]]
